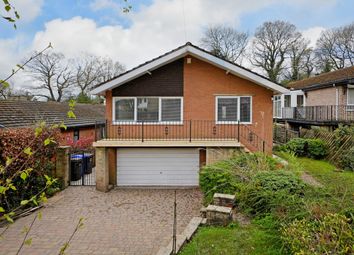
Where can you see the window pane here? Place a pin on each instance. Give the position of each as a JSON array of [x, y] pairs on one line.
[[148, 109], [124, 109], [227, 109], [300, 100], [287, 100], [171, 109], [245, 109], [350, 95]]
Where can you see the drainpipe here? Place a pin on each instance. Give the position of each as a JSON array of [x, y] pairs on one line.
[[337, 100]]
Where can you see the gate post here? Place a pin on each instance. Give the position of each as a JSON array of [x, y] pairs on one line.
[[62, 165], [102, 169]]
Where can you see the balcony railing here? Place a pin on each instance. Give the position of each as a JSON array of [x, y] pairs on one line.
[[187, 130], [323, 113]]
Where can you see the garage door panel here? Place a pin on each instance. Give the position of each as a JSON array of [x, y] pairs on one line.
[[157, 166]]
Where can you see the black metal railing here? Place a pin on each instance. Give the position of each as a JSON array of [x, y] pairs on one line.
[[187, 130], [321, 113]]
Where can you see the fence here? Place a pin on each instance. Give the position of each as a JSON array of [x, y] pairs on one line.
[[336, 145], [282, 135], [186, 130], [322, 113]]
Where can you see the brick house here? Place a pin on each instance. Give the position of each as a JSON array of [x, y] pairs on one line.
[[177, 112], [85, 127], [328, 99]]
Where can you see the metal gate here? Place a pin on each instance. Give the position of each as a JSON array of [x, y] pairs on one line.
[[82, 168]]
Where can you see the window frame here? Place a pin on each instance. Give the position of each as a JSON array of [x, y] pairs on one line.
[[349, 87], [136, 121], [221, 122]]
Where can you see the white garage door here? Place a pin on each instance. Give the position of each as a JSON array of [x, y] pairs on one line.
[[157, 167]]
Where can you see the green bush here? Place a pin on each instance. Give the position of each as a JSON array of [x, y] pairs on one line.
[[347, 160], [272, 192], [312, 148], [228, 176], [332, 234]]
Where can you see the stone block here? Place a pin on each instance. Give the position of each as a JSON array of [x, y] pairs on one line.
[[218, 215], [224, 200]]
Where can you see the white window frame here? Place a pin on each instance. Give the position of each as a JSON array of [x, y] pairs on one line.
[[135, 121], [238, 110], [348, 88]]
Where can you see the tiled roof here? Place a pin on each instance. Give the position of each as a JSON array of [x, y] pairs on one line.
[[28, 113], [338, 76]]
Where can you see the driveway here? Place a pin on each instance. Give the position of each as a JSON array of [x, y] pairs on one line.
[[122, 221]]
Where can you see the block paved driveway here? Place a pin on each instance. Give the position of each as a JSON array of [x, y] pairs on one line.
[[122, 221]]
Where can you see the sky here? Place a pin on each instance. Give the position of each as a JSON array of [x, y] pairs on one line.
[[151, 28]]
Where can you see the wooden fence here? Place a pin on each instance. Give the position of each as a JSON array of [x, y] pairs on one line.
[[337, 146]]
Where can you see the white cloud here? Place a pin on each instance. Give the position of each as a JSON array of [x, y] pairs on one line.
[[154, 29], [28, 9], [312, 34]]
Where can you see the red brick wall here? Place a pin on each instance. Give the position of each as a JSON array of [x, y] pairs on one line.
[[203, 82], [85, 133]]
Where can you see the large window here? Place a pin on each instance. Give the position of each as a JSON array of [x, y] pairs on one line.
[[148, 109], [233, 109]]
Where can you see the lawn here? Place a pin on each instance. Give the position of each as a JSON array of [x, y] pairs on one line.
[[235, 239], [261, 236]]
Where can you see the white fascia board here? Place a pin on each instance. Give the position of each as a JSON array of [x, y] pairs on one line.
[[140, 71], [236, 70]]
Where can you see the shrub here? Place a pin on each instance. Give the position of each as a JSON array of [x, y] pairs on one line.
[[332, 234], [313, 148], [228, 176], [13, 142], [347, 160], [272, 192]]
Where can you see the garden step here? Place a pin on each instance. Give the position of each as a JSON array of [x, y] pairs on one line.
[[224, 200], [218, 215]]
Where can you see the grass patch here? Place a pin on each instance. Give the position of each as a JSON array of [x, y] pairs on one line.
[[235, 239]]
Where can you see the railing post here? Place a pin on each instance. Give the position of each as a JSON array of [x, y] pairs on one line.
[[190, 130], [263, 146], [142, 131], [238, 131]]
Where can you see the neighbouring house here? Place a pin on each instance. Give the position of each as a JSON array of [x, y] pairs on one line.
[[85, 128], [177, 112], [328, 101]]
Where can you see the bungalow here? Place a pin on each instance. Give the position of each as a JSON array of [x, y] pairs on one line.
[[328, 100], [23, 113], [177, 112]]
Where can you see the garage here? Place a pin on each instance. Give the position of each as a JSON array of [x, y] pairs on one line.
[[157, 167]]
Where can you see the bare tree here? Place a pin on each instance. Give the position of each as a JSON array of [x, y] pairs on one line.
[[271, 46], [109, 69], [301, 60], [91, 70], [335, 48], [52, 75], [225, 42]]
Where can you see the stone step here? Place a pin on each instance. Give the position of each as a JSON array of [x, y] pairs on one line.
[[224, 200], [218, 215]]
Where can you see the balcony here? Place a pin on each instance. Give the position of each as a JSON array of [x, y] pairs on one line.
[[325, 114], [187, 133]]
